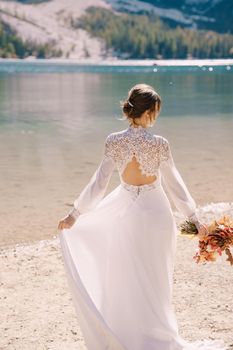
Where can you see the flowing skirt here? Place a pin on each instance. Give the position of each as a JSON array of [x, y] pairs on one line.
[[119, 261]]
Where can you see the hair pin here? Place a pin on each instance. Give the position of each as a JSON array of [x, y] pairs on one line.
[[131, 105]]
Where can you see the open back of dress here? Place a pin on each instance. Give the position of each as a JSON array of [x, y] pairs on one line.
[[132, 174], [137, 154]]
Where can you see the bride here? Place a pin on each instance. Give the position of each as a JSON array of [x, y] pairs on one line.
[[118, 250]]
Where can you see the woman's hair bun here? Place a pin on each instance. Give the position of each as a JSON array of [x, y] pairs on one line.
[[140, 98]]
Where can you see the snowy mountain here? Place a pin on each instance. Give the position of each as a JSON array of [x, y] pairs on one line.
[[214, 15]]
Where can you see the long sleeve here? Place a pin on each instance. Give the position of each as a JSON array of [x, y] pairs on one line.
[[95, 189], [176, 187]]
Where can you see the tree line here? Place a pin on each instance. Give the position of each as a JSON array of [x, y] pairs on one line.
[[146, 36]]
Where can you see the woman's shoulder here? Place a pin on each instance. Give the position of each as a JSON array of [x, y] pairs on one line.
[[115, 135], [161, 140]]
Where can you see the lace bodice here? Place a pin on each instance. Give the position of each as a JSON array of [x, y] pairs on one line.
[[155, 158], [149, 150]]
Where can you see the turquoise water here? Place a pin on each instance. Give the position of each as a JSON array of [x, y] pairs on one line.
[[54, 119], [44, 66]]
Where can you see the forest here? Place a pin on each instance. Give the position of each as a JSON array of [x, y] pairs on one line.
[[148, 37]]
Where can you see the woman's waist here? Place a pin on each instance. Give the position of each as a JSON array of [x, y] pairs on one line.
[[141, 188]]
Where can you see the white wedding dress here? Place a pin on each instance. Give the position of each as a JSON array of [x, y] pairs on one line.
[[119, 254]]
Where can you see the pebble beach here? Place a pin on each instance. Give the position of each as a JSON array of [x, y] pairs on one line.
[[37, 311]]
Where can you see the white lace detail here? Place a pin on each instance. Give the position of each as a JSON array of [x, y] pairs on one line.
[[149, 150]]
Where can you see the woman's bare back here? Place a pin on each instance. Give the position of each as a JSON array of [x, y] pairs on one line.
[[133, 175]]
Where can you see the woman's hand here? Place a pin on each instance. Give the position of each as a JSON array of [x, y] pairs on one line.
[[66, 222], [202, 231]]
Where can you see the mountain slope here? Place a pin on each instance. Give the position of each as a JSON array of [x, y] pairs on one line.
[[147, 37], [214, 15], [50, 22]]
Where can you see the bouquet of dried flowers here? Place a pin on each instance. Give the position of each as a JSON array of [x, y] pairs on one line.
[[219, 239]]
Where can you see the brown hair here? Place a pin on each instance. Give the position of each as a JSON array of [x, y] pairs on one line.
[[140, 98]]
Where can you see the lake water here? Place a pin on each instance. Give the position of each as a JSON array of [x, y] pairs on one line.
[[53, 122]]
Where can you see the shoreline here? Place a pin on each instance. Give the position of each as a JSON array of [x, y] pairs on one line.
[[128, 63]]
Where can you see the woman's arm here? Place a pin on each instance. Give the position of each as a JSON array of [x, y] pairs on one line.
[[176, 186], [95, 189]]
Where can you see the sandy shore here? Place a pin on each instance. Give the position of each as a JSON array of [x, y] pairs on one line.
[[37, 310]]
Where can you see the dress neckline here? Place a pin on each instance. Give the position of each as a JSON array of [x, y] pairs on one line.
[[138, 129]]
